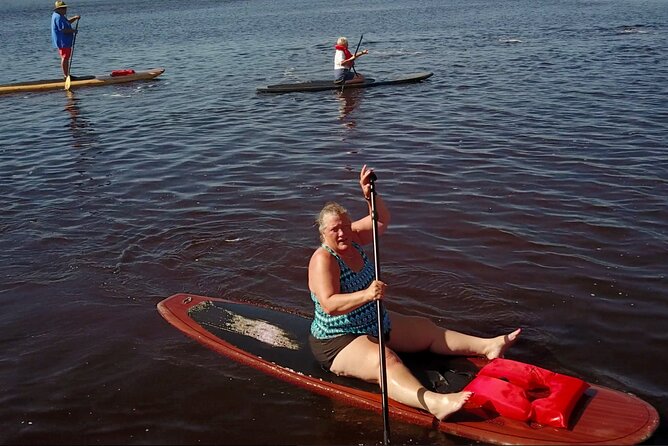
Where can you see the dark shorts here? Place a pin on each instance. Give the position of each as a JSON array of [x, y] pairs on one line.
[[343, 75], [325, 350]]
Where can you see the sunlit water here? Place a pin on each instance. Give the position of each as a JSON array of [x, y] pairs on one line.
[[527, 180]]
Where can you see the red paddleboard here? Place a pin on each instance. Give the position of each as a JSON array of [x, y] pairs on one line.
[[275, 341]]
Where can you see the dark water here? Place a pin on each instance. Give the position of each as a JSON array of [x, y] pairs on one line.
[[528, 181]]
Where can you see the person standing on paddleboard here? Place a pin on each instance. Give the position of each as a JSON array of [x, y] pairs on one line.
[[62, 35], [344, 61], [344, 331]]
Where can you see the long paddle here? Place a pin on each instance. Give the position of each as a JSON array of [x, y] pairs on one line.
[[356, 50], [68, 80], [379, 314]]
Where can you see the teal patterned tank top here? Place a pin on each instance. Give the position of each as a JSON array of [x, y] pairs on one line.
[[361, 320]]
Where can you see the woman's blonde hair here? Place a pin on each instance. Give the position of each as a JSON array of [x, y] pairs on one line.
[[331, 207]]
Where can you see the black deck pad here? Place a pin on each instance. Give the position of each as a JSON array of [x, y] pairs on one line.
[[282, 338]]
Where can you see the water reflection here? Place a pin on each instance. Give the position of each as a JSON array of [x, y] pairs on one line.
[[83, 134], [348, 100]]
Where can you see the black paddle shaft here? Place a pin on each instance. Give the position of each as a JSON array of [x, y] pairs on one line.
[[74, 41], [379, 314], [357, 49]]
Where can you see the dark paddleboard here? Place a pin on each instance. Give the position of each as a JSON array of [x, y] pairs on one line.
[[275, 341], [330, 85]]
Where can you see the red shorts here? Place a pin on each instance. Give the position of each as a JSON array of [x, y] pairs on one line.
[[65, 53]]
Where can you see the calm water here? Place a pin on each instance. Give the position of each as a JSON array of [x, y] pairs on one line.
[[528, 180]]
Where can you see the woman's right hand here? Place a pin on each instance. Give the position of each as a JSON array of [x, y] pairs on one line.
[[365, 181], [376, 290]]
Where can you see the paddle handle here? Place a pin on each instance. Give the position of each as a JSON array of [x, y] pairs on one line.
[[379, 314]]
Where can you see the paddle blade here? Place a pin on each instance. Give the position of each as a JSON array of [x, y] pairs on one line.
[[68, 81]]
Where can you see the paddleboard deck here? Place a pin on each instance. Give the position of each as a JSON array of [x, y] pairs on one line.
[[275, 341], [78, 82], [322, 85]]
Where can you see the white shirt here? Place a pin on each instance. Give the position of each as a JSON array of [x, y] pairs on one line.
[[339, 57]]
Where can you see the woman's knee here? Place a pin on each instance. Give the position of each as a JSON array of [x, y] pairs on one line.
[[407, 324], [391, 359], [413, 333], [373, 359], [392, 362]]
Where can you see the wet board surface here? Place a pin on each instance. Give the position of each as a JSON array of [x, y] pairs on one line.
[[328, 84], [275, 341]]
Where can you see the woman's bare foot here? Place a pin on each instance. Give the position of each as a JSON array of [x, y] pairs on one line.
[[500, 344], [444, 405]]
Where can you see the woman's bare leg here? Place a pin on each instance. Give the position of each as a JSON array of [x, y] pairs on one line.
[[360, 359], [414, 333]]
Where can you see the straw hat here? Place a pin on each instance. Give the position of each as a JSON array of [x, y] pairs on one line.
[[60, 4]]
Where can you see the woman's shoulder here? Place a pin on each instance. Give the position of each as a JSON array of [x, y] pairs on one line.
[[321, 258], [321, 255]]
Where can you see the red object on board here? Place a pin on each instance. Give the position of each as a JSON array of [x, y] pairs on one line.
[[116, 73], [526, 392]]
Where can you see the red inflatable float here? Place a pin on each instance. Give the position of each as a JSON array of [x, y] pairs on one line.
[[525, 392], [117, 73]]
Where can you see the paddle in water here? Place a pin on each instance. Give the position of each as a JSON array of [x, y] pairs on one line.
[[379, 313], [68, 80]]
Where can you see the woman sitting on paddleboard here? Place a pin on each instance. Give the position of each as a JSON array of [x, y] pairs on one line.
[[344, 332], [344, 61]]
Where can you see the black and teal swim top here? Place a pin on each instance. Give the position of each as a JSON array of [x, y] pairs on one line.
[[361, 320]]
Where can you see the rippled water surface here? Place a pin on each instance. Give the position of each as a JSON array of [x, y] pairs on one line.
[[528, 181]]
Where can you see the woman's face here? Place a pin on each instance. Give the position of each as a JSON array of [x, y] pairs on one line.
[[337, 231]]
